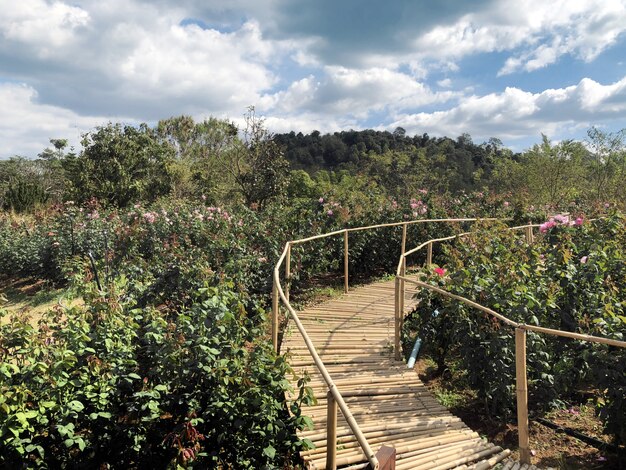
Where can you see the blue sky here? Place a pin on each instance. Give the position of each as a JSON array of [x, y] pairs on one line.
[[506, 69]]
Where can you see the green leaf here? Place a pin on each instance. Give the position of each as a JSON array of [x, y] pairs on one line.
[[269, 452], [75, 405]]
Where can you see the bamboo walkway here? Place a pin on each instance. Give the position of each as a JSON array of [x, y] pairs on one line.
[[354, 336]]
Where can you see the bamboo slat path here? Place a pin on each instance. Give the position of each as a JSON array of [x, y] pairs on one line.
[[354, 336]]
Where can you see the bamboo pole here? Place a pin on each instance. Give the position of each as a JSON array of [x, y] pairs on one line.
[[346, 255], [331, 432], [538, 329], [396, 339], [402, 292], [288, 271], [521, 386], [429, 254], [582, 337], [275, 316], [347, 414], [464, 300]]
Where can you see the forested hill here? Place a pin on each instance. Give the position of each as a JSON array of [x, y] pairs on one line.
[[444, 162]]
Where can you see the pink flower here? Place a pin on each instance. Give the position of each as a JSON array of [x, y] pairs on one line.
[[506, 203], [584, 259], [321, 200], [543, 228], [149, 217], [423, 191], [607, 205], [203, 197], [329, 212], [562, 219], [439, 271], [578, 222]]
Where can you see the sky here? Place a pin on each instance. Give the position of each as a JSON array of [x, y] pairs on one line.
[[506, 69]]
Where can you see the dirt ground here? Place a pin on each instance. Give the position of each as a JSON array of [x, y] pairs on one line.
[[549, 447], [31, 297]]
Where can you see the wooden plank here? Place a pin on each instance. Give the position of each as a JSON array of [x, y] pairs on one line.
[[354, 336]]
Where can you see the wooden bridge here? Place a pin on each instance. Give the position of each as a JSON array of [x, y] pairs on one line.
[[350, 348], [354, 336]]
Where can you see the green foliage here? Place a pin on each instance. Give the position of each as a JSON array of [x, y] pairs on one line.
[[572, 278], [22, 195], [124, 386], [119, 165], [200, 148], [257, 164]]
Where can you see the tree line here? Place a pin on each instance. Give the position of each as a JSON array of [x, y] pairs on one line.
[[216, 160]]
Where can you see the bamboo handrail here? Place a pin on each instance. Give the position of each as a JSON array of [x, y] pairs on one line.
[[371, 457], [520, 331], [279, 295]]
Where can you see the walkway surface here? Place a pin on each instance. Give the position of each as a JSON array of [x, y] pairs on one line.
[[354, 337]]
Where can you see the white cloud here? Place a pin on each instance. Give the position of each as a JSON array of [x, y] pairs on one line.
[[356, 92], [43, 24], [126, 58], [544, 31], [297, 63], [515, 113], [26, 126]]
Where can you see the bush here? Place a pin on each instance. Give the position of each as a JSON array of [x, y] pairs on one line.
[[110, 384], [573, 278]]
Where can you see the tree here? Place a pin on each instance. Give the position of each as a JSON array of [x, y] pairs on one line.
[[256, 163], [198, 148], [120, 165], [607, 163], [26, 184], [546, 173]]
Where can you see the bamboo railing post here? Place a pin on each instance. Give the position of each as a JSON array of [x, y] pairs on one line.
[[522, 394], [402, 273], [401, 295], [345, 261], [396, 342], [275, 316], [331, 432], [429, 254], [529, 234], [288, 271]]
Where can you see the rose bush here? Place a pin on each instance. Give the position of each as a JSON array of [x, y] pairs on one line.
[[572, 278]]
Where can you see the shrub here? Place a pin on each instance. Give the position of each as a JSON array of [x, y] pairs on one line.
[[573, 278]]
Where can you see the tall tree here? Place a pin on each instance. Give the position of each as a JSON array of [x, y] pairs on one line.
[[256, 164], [120, 165]]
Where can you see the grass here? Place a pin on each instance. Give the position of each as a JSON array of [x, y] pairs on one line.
[[31, 297]]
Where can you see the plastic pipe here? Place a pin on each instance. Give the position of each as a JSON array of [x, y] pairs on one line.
[[414, 353]]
